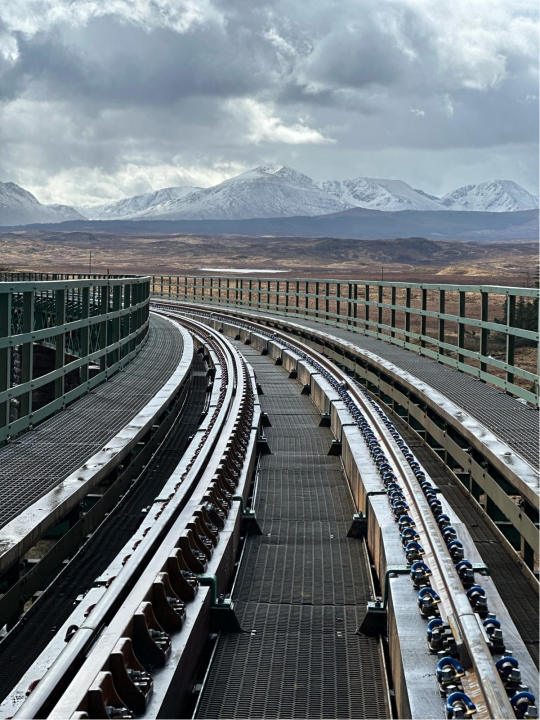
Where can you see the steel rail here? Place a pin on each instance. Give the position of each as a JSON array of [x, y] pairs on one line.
[[147, 589], [483, 682]]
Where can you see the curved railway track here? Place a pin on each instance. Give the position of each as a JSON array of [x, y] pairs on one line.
[[132, 622], [475, 675], [139, 629]]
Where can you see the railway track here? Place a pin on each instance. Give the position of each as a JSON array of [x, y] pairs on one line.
[[131, 648], [476, 673], [158, 596]]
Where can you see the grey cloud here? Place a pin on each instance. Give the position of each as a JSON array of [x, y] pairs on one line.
[[108, 94]]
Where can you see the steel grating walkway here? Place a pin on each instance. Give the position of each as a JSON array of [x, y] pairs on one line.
[[39, 460], [302, 587], [514, 423]]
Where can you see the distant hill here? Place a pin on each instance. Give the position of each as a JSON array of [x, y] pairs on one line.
[[20, 207], [354, 223], [137, 206], [386, 195]]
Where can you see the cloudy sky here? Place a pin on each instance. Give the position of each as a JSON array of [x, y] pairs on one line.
[[101, 99]]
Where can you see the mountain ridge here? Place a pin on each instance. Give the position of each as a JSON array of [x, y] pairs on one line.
[[19, 207], [274, 190], [271, 191]]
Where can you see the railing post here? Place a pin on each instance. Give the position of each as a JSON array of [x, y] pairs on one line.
[[133, 315], [125, 319], [366, 307], [461, 325], [393, 301], [380, 299], [349, 304], [5, 355], [60, 341], [484, 332], [423, 318], [117, 305], [442, 311], [510, 339], [27, 352], [407, 314], [85, 333], [355, 310], [326, 302]]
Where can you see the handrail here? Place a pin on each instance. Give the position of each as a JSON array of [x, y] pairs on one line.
[[461, 326], [94, 324]]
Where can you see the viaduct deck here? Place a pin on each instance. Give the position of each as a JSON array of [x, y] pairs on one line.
[[303, 586]]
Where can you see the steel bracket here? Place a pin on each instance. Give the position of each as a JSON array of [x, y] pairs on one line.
[[481, 568], [336, 447], [358, 527], [223, 615], [263, 448], [375, 619], [250, 524], [325, 420], [265, 420]]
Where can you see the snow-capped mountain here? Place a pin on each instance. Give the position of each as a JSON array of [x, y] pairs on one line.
[[266, 191], [67, 212], [269, 191], [495, 196], [376, 194], [20, 207], [147, 204]]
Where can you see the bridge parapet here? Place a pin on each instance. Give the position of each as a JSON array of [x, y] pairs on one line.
[[477, 329], [94, 324]]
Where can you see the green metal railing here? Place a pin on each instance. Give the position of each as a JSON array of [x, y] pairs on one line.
[[101, 320], [490, 332]]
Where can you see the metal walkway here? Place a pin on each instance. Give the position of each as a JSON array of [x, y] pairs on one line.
[[514, 423], [77, 578], [303, 586], [39, 460]]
